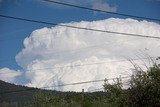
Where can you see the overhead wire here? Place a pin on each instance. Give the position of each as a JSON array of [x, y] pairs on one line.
[[91, 46], [97, 30], [62, 85], [82, 28], [94, 90], [87, 64], [99, 10]]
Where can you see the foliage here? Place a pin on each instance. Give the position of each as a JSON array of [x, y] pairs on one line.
[[49, 100], [70, 100], [144, 90]]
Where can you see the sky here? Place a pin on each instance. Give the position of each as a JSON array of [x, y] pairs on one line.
[[13, 32], [14, 45]]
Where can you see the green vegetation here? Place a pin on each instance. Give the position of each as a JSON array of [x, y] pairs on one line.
[[70, 99], [143, 91]]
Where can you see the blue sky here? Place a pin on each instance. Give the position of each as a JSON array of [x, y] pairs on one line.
[[13, 32]]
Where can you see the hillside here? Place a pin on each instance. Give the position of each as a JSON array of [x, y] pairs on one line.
[[19, 94], [12, 95], [143, 91]]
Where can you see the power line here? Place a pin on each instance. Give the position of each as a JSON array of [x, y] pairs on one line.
[[82, 28], [97, 89], [92, 64], [91, 46], [98, 10], [73, 66], [62, 85]]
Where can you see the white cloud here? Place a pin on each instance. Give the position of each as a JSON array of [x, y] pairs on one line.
[[9, 75], [60, 46], [99, 4], [95, 4]]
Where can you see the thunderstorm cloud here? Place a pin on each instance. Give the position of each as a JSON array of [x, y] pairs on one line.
[[61, 55]]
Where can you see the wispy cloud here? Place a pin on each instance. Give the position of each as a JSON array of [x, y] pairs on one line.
[[95, 4], [100, 4]]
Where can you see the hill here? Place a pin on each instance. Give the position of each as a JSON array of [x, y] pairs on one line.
[[143, 91], [9, 93], [12, 95], [19, 95]]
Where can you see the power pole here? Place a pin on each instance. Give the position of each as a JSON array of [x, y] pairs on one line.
[[82, 98]]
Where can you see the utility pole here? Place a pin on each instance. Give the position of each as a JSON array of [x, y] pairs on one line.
[[82, 98]]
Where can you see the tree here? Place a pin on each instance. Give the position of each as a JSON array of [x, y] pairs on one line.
[[144, 90]]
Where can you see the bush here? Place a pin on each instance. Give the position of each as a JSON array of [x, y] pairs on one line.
[[144, 90]]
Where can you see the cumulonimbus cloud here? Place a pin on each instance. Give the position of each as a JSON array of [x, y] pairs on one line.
[[61, 55]]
